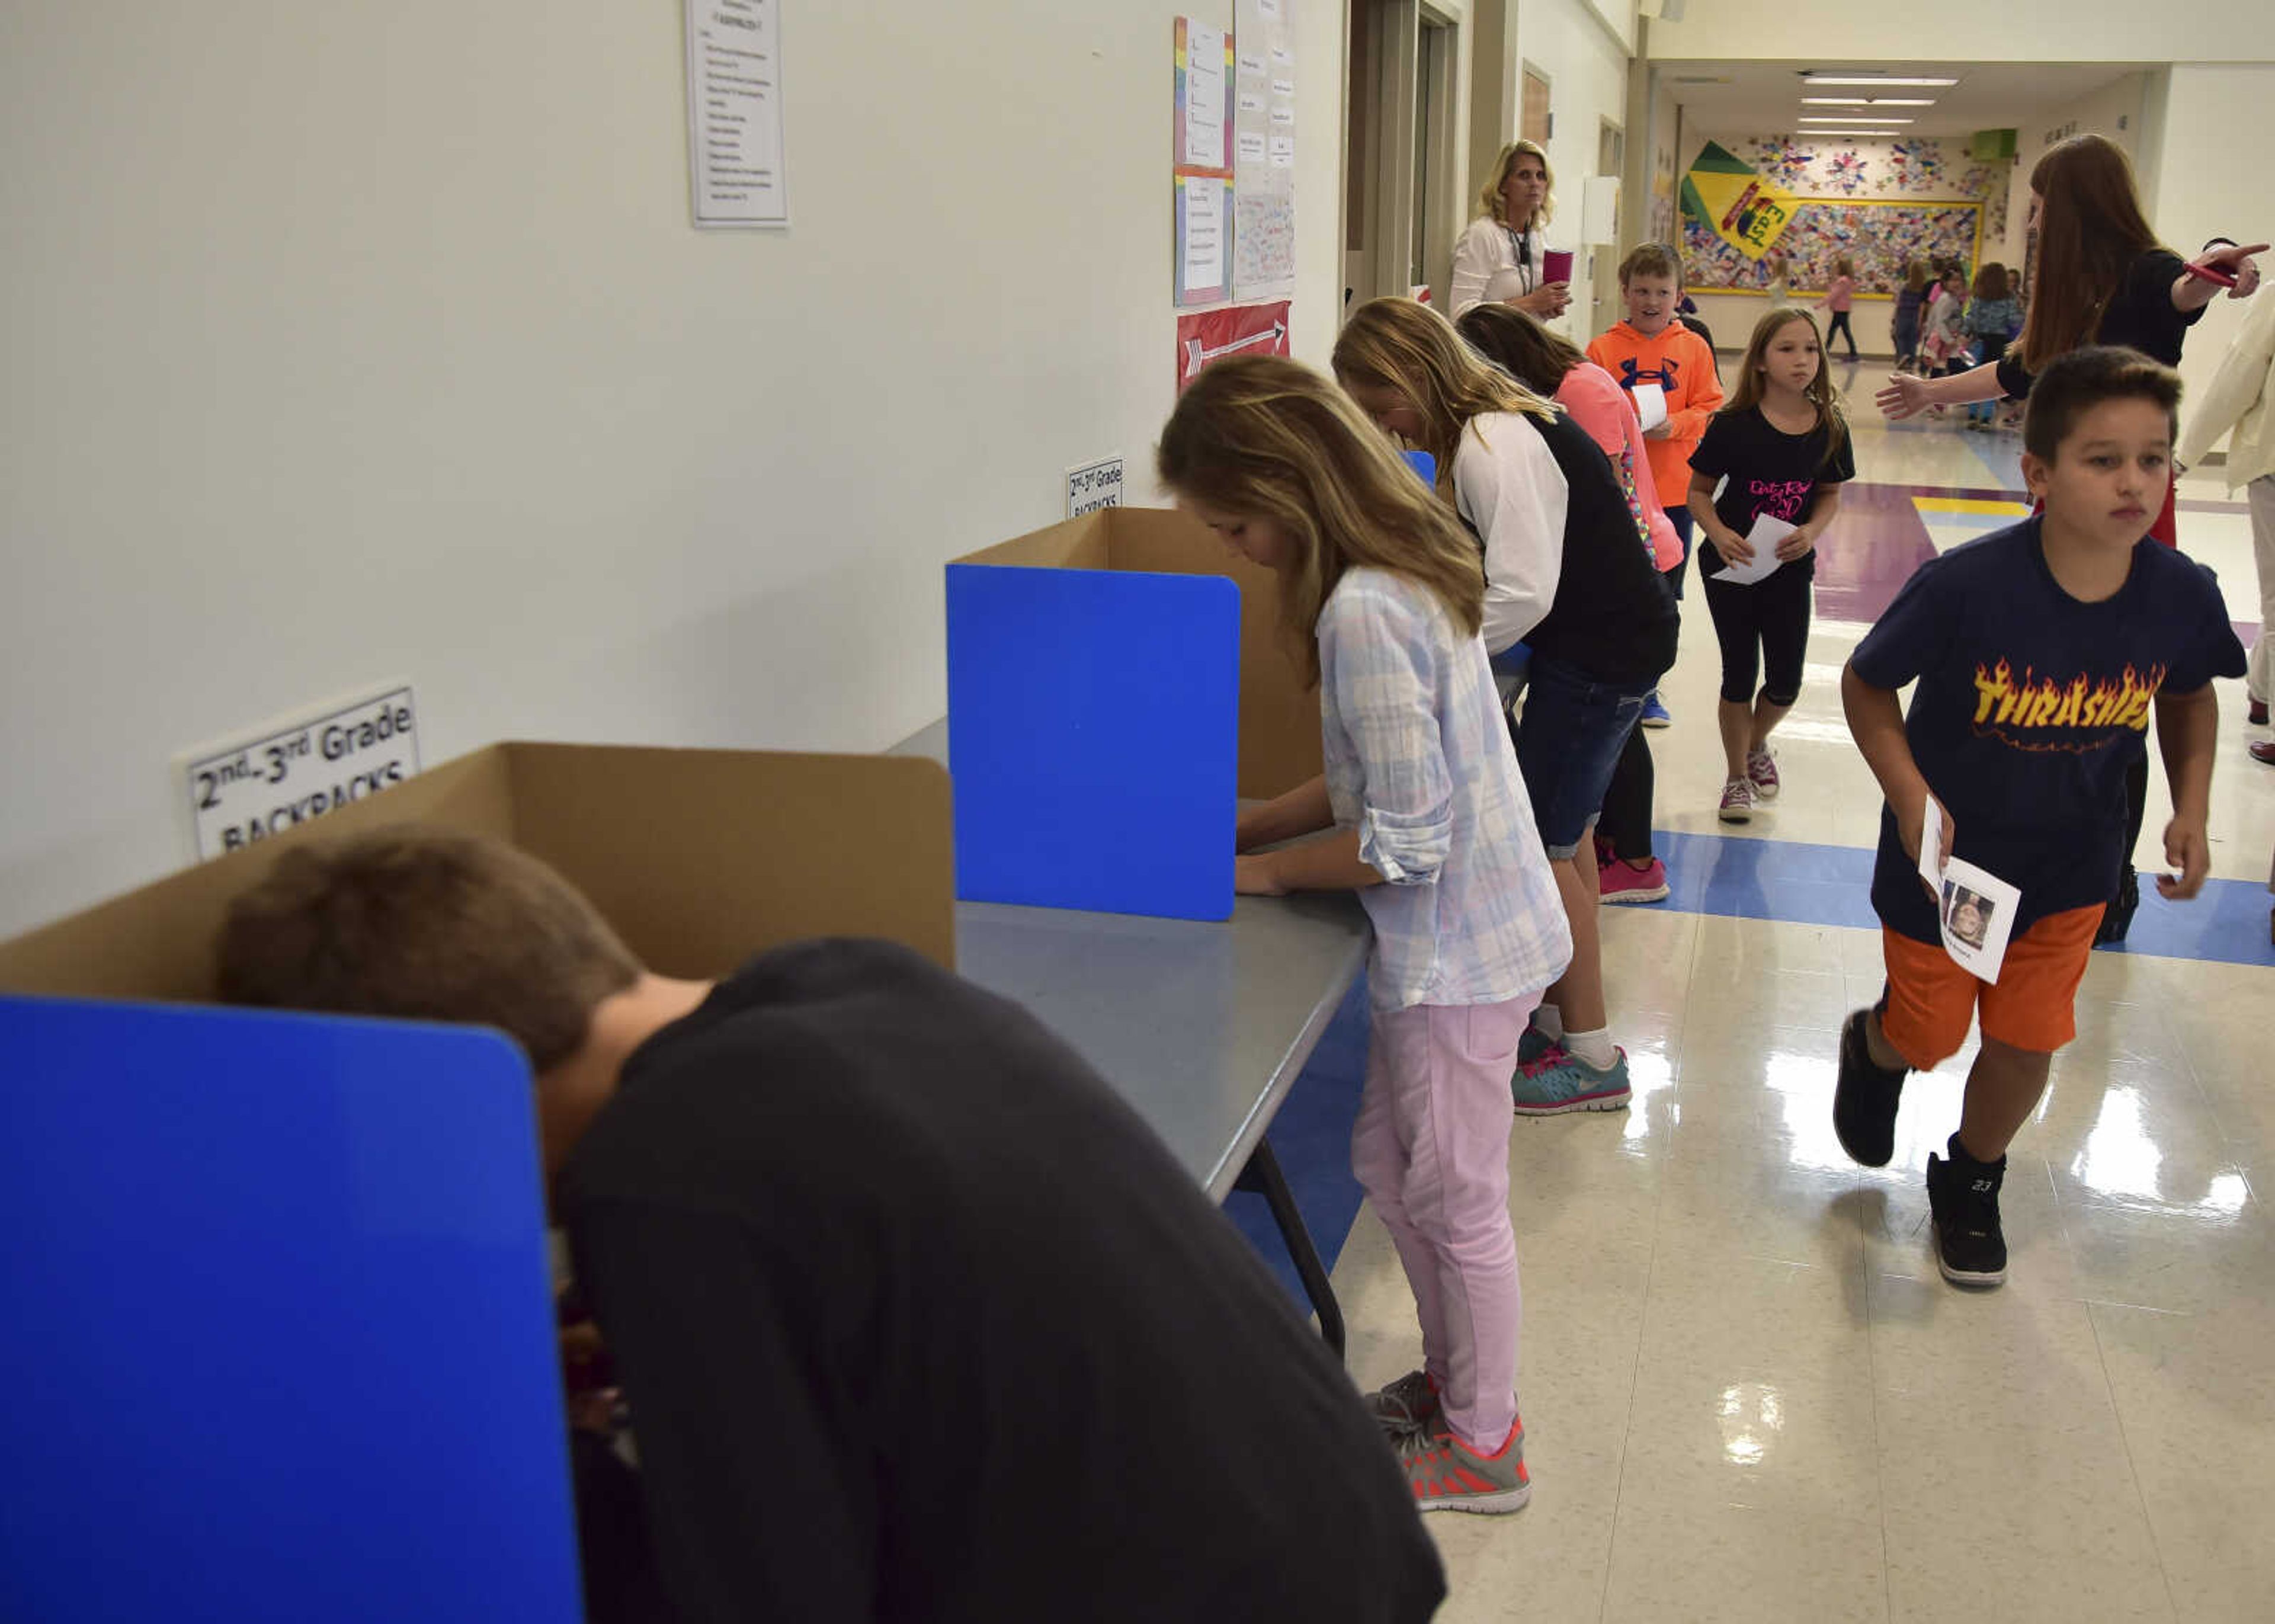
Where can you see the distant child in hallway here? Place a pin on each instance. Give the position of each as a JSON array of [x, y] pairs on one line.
[[1783, 444], [1991, 317], [1943, 332], [2040, 652], [1911, 299], [1840, 294]]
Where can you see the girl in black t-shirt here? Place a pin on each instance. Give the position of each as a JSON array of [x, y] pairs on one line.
[[1783, 443]]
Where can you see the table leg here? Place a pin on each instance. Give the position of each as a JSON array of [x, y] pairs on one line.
[[1262, 1174]]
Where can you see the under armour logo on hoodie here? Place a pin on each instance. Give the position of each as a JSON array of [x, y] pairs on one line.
[[1630, 374]]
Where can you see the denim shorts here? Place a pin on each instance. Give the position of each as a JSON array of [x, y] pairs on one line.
[[1568, 740]]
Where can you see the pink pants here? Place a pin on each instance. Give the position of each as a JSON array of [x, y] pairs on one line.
[[1430, 1148]]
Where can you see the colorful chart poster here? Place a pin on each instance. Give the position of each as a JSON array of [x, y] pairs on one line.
[[1202, 134], [1244, 330], [1201, 207], [1264, 152], [1204, 236]]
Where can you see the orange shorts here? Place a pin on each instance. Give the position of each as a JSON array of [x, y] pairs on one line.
[[2032, 1006]]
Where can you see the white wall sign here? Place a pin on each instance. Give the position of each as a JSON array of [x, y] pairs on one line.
[[735, 112], [288, 774], [1093, 486]]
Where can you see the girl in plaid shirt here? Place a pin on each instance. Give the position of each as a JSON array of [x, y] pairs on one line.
[[1381, 594]]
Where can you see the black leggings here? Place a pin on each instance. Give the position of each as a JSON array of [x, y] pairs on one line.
[[1625, 825], [1840, 326], [1763, 629]]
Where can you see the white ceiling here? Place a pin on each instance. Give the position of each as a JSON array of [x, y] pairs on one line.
[[1764, 97]]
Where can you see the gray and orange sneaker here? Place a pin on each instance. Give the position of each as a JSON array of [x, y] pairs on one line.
[[1447, 1475]]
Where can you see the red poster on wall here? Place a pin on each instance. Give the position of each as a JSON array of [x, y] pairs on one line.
[[1244, 330]]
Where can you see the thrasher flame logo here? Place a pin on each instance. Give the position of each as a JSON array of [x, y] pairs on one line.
[[2016, 708]]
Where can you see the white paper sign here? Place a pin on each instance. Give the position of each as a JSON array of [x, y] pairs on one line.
[[1650, 404], [1249, 146], [288, 774], [1203, 232], [1974, 907], [1093, 486], [1764, 538], [1204, 96], [735, 113]]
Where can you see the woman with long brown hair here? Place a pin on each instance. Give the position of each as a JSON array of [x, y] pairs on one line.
[[2101, 277]]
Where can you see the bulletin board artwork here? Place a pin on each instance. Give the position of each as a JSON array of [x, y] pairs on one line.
[[1881, 238]]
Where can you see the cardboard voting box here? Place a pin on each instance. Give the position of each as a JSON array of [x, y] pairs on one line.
[[1116, 683], [698, 858], [279, 1300]]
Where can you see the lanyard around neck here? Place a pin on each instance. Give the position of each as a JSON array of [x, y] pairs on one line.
[[1521, 243]]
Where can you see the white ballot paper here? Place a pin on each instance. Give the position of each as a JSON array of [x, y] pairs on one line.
[[1764, 538], [1650, 404], [1975, 906]]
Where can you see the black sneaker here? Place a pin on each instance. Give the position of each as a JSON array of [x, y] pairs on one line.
[[1865, 1099], [1962, 1193]]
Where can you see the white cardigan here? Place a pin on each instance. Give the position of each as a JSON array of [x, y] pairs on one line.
[[1486, 247], [2242, 397]]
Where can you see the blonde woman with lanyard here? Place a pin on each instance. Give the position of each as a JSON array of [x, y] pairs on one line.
[[1502, 257]]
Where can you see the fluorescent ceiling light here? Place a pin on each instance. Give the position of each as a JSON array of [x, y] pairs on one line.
[[1872, 101], [1887, 122], [1826, 79], [1849, 132]]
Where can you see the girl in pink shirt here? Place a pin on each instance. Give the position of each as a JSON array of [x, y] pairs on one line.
[[1840, 293]]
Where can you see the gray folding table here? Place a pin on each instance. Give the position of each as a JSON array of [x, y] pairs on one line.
[[1202, 1028]]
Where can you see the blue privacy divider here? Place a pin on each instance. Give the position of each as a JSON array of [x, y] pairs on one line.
[[279, 1339], [1093, 738]]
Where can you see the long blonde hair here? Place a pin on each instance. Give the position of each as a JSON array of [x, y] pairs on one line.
[[1489, 200], [1263, 435], [1822, 395], [1398, 344]]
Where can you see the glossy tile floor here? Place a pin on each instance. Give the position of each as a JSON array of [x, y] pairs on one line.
[[1747, 1392]]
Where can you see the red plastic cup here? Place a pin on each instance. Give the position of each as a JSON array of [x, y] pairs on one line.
[[1556, 264]]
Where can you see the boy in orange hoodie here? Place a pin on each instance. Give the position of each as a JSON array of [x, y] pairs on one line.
[[1654, 349]]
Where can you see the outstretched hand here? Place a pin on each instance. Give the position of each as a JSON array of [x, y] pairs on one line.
[[1905, 396]]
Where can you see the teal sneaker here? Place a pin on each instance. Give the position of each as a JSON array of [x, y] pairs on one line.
[[1560, 1081], [1536, 1046]]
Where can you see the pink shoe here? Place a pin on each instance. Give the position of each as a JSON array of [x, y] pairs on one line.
[[1738, 799], [1761, 772], [1622, 881]]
